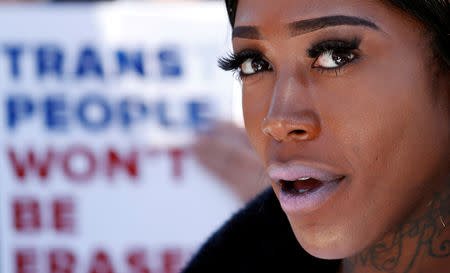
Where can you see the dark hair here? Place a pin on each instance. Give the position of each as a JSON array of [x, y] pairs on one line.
[[434, 14]]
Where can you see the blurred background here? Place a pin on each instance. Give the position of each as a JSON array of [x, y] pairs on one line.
[[122, 147]]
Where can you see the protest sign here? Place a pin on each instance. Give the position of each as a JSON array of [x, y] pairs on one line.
[[98, 106]]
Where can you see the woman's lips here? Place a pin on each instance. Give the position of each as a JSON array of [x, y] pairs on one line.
[[291, 172], [303, 188]]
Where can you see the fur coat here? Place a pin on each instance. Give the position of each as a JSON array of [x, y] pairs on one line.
[[257, 239]]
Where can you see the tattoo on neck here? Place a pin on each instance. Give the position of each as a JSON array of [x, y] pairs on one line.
[[426, 231]]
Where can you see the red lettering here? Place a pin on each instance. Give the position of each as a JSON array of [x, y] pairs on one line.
[[26, 261], [172, 260], [80, 163], [63, 215], [27, 217], [101, 263], [31, 163], [137, 261], [176, 156], [68, 167], [129, 164], [61, 261]]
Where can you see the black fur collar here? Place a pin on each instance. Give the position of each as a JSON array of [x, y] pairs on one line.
[[257, 239]]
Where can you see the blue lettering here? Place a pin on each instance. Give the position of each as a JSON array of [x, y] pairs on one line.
[[197, 112], [14, 53], [89, 63], [96, 113], [161, 110], [129, 61], [50, 59], [170, 63], [18, 108], [131, 111], [85, 107], [54, 112]]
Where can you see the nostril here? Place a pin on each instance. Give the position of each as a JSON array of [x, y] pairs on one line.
[[304, 126], [298, 132]]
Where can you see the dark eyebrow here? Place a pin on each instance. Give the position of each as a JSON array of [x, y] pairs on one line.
[[247, 32], [306, 26], [310, 25]]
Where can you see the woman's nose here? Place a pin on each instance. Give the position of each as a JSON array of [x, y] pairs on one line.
[[294, 126], [292, 116]]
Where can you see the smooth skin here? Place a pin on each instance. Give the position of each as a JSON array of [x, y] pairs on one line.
[[382, 120]]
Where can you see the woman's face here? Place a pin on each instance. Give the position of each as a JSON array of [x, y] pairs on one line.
[[345, 106]]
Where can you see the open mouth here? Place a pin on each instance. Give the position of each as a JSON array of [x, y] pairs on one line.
[[304, 185], [304, 188]]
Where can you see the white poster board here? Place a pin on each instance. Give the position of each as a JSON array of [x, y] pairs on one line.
[[97, 106]]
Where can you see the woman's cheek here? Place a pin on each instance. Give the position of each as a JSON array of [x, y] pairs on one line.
[[256, 99]]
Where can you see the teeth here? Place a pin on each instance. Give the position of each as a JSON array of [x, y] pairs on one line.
[[298, 179], [303, 178], [302, 191]]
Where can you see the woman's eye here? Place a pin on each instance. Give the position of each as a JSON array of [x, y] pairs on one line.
[[254, 65], [333, 59]]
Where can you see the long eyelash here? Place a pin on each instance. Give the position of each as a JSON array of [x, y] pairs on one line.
[[233, 61], [336, 45], [335, 70]]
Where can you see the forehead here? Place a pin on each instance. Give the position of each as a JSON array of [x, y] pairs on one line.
[[272, 16], [280, 12]]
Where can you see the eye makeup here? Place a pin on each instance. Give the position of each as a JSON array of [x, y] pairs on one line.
[[335, 47], [233, 61]]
